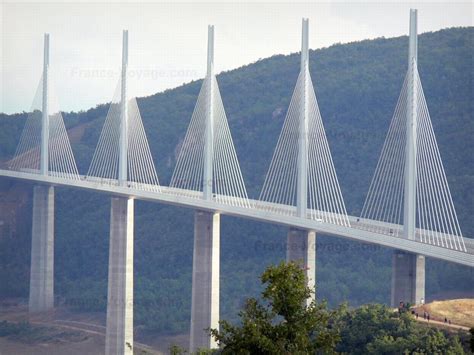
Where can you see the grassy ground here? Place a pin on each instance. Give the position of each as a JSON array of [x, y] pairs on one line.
[[64, 332], [460, 311]]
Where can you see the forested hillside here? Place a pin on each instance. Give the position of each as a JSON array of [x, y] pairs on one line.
[[357, 86]]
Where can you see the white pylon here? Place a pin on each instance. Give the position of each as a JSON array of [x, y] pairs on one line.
[[44, 158], [409, 205], [209, 132], [123, 164], [302, 184]]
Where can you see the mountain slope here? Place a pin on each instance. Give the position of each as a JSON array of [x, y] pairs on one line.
[[357, 86]]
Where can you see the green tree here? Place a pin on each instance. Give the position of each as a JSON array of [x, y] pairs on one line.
[[282, 323], [376, 329]]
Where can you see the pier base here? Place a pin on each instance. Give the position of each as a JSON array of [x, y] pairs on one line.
[[42, 250], [119, 332], [408, 278], [301, 248], [205, 288]]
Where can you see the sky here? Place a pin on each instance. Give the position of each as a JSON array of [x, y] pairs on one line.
[[168, 41]]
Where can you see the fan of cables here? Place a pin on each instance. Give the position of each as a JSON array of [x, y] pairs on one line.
[[141, 172], [227, 181], [324, 194], [436, 217], [61, 161]]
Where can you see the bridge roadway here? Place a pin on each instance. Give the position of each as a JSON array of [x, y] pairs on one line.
[[367, 231]]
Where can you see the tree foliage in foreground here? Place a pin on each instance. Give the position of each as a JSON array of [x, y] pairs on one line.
[[376, 329], [282, 323]]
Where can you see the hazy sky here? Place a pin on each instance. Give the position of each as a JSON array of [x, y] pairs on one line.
[[167, 41]]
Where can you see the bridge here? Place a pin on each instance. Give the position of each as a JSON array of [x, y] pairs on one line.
[[408, 208]]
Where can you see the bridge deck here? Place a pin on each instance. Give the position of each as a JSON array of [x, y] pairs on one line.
[[367, 231]]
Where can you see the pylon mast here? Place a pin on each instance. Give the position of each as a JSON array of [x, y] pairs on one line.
[[123, 164], [409, 207], [209, 135], [302, 184], [44, 158]]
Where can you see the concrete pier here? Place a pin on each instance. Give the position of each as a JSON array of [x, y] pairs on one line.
[[408, 278], [205, 289], [119, 333], [42, 250], [301, 247]]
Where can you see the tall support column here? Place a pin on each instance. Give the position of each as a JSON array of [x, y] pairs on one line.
[[209, 138], [302, 182], [408, 278], [301, 244], [301, 248], [44, 151], [119, 331], [205, 289], [408, 270], [123, 168], [409, 207], [42, 250], [42, 241]]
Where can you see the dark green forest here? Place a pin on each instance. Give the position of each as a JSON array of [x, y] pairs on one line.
[[357, 86]]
